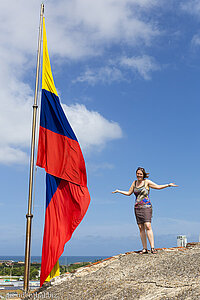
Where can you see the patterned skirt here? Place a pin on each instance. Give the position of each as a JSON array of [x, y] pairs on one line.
[[143, 214]]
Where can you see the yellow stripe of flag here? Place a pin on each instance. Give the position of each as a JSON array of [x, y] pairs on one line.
[[47, 78], [54, 272]]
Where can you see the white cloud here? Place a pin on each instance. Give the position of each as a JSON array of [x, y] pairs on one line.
[[192, 7], [18, 41], [106, 75], [95, 168], [196, 40], [91, 128], [175, 226], [145, 4], [88, 26], [75, 29], [16, 100], [10, 155], [19, 26], [143, 65], [116, 70], [15, 116]]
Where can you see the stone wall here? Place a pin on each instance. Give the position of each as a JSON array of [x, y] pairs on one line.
[[172, 273]]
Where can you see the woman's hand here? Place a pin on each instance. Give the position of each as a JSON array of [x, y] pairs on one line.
[[172, 184], [125, 192], [116, 191]]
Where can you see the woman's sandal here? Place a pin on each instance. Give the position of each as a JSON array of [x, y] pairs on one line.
[[143, 251], [154, 251]]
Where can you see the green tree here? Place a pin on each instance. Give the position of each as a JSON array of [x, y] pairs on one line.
[[33, 274]]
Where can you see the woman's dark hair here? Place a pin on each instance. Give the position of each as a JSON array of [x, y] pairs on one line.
[[145, 174]]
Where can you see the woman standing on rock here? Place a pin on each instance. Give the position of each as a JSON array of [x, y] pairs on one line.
[[143, 207]]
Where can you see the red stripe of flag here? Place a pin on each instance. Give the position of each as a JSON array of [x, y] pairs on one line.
[[63, 214]]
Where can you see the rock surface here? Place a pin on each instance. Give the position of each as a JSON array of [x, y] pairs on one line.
[[172, 273]]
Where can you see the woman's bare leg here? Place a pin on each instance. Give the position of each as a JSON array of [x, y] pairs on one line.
[[143, 235], [149, 232]]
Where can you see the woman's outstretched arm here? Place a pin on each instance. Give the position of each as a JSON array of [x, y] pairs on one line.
[[124, 192], [153, 185]]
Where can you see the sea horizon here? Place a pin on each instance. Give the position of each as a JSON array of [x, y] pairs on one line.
[[64, 260]]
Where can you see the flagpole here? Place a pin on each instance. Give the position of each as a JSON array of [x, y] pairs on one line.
[[29, 215]]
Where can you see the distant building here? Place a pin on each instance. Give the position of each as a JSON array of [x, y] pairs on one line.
[[21, 262], [181, 240]]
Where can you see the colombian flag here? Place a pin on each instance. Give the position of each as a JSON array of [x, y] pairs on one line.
[[59, 153]]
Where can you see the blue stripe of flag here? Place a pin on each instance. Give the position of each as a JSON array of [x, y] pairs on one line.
[[52, 116], [52, 184]]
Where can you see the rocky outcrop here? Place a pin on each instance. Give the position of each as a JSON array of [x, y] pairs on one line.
[[172, 273]]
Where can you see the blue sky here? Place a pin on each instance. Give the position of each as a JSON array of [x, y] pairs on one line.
[[127, 73]]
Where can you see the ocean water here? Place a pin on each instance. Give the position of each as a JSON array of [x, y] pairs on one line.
[[64, 260]]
